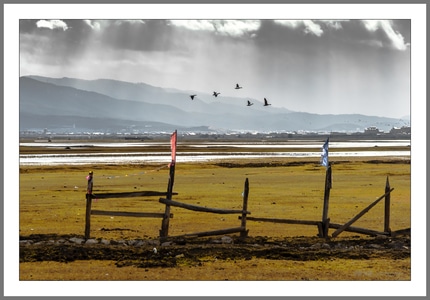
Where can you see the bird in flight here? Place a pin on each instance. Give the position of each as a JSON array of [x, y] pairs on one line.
[[266, 103], [192, 97], [237, 86], [249, 103], [216, 94]]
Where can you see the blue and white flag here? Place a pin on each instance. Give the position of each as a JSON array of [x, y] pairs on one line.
[[324, 154]]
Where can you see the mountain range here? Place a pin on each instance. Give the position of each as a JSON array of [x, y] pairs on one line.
[[70, 104]]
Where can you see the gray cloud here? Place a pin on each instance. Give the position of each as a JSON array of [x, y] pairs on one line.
[[396, 39], [52, 24], [224, 27], [307, 26]]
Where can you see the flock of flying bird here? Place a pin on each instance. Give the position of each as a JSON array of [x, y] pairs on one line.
[[215, 94]]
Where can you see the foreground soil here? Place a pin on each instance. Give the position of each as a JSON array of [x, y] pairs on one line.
[[199, 253]]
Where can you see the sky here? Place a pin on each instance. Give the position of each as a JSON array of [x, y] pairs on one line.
[[341, 66]]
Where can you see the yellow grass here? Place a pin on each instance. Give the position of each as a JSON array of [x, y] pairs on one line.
[[215, 270], [52, 201]]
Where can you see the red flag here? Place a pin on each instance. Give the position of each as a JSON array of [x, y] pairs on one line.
[[173, 146]]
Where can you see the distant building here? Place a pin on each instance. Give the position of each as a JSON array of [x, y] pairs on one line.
[[401, 130], [372, 130]]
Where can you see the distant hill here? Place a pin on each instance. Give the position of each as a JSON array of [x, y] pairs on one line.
[[142, 92], [113, 105]]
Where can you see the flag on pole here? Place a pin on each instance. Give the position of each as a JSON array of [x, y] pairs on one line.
[[173, 138], [324, 154]]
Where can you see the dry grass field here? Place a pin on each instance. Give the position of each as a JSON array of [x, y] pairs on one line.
[[52, 207]]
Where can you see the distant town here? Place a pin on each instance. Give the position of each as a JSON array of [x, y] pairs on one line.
[[206, 133]]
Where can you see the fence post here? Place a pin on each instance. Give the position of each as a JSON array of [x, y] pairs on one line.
[[387, 207], [325, 219], [244, 233], [164, 232], [88, 216]]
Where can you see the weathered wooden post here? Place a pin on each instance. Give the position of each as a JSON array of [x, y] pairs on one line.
[[325, 219], [387, 207], [88, 216], [164, 232], [244, 233]]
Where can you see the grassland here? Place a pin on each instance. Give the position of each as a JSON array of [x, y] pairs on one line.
[[52, 206]]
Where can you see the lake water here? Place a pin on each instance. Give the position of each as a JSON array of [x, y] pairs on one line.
[[164, 157], [265, 144]]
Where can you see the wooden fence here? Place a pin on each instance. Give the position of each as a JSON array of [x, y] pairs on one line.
[[324, 224], [164, 232], [90, 211]]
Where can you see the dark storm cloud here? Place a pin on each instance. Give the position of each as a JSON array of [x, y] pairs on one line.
[[138, 35], [27, 26], [53, 45], [404, 27], [164, 35], [354, 32], [341, 64]]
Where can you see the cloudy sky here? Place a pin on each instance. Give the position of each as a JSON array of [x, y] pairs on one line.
[[318, 66]]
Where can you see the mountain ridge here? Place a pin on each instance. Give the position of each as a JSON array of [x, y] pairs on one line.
[[111, 101]]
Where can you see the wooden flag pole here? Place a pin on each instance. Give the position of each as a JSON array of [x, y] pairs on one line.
[[164, 232]]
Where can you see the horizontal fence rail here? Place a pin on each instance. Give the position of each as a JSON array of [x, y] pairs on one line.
[[201, 208], [213, 232], [359, 230], [285, 221], [128, 214], [130, 194]]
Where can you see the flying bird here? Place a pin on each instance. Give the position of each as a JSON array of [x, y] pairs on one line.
[[192, 97], [266, 103], [216, 94], [249, 103], [237, 86]]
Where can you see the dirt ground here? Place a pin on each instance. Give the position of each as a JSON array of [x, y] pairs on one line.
[[194, 251]]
